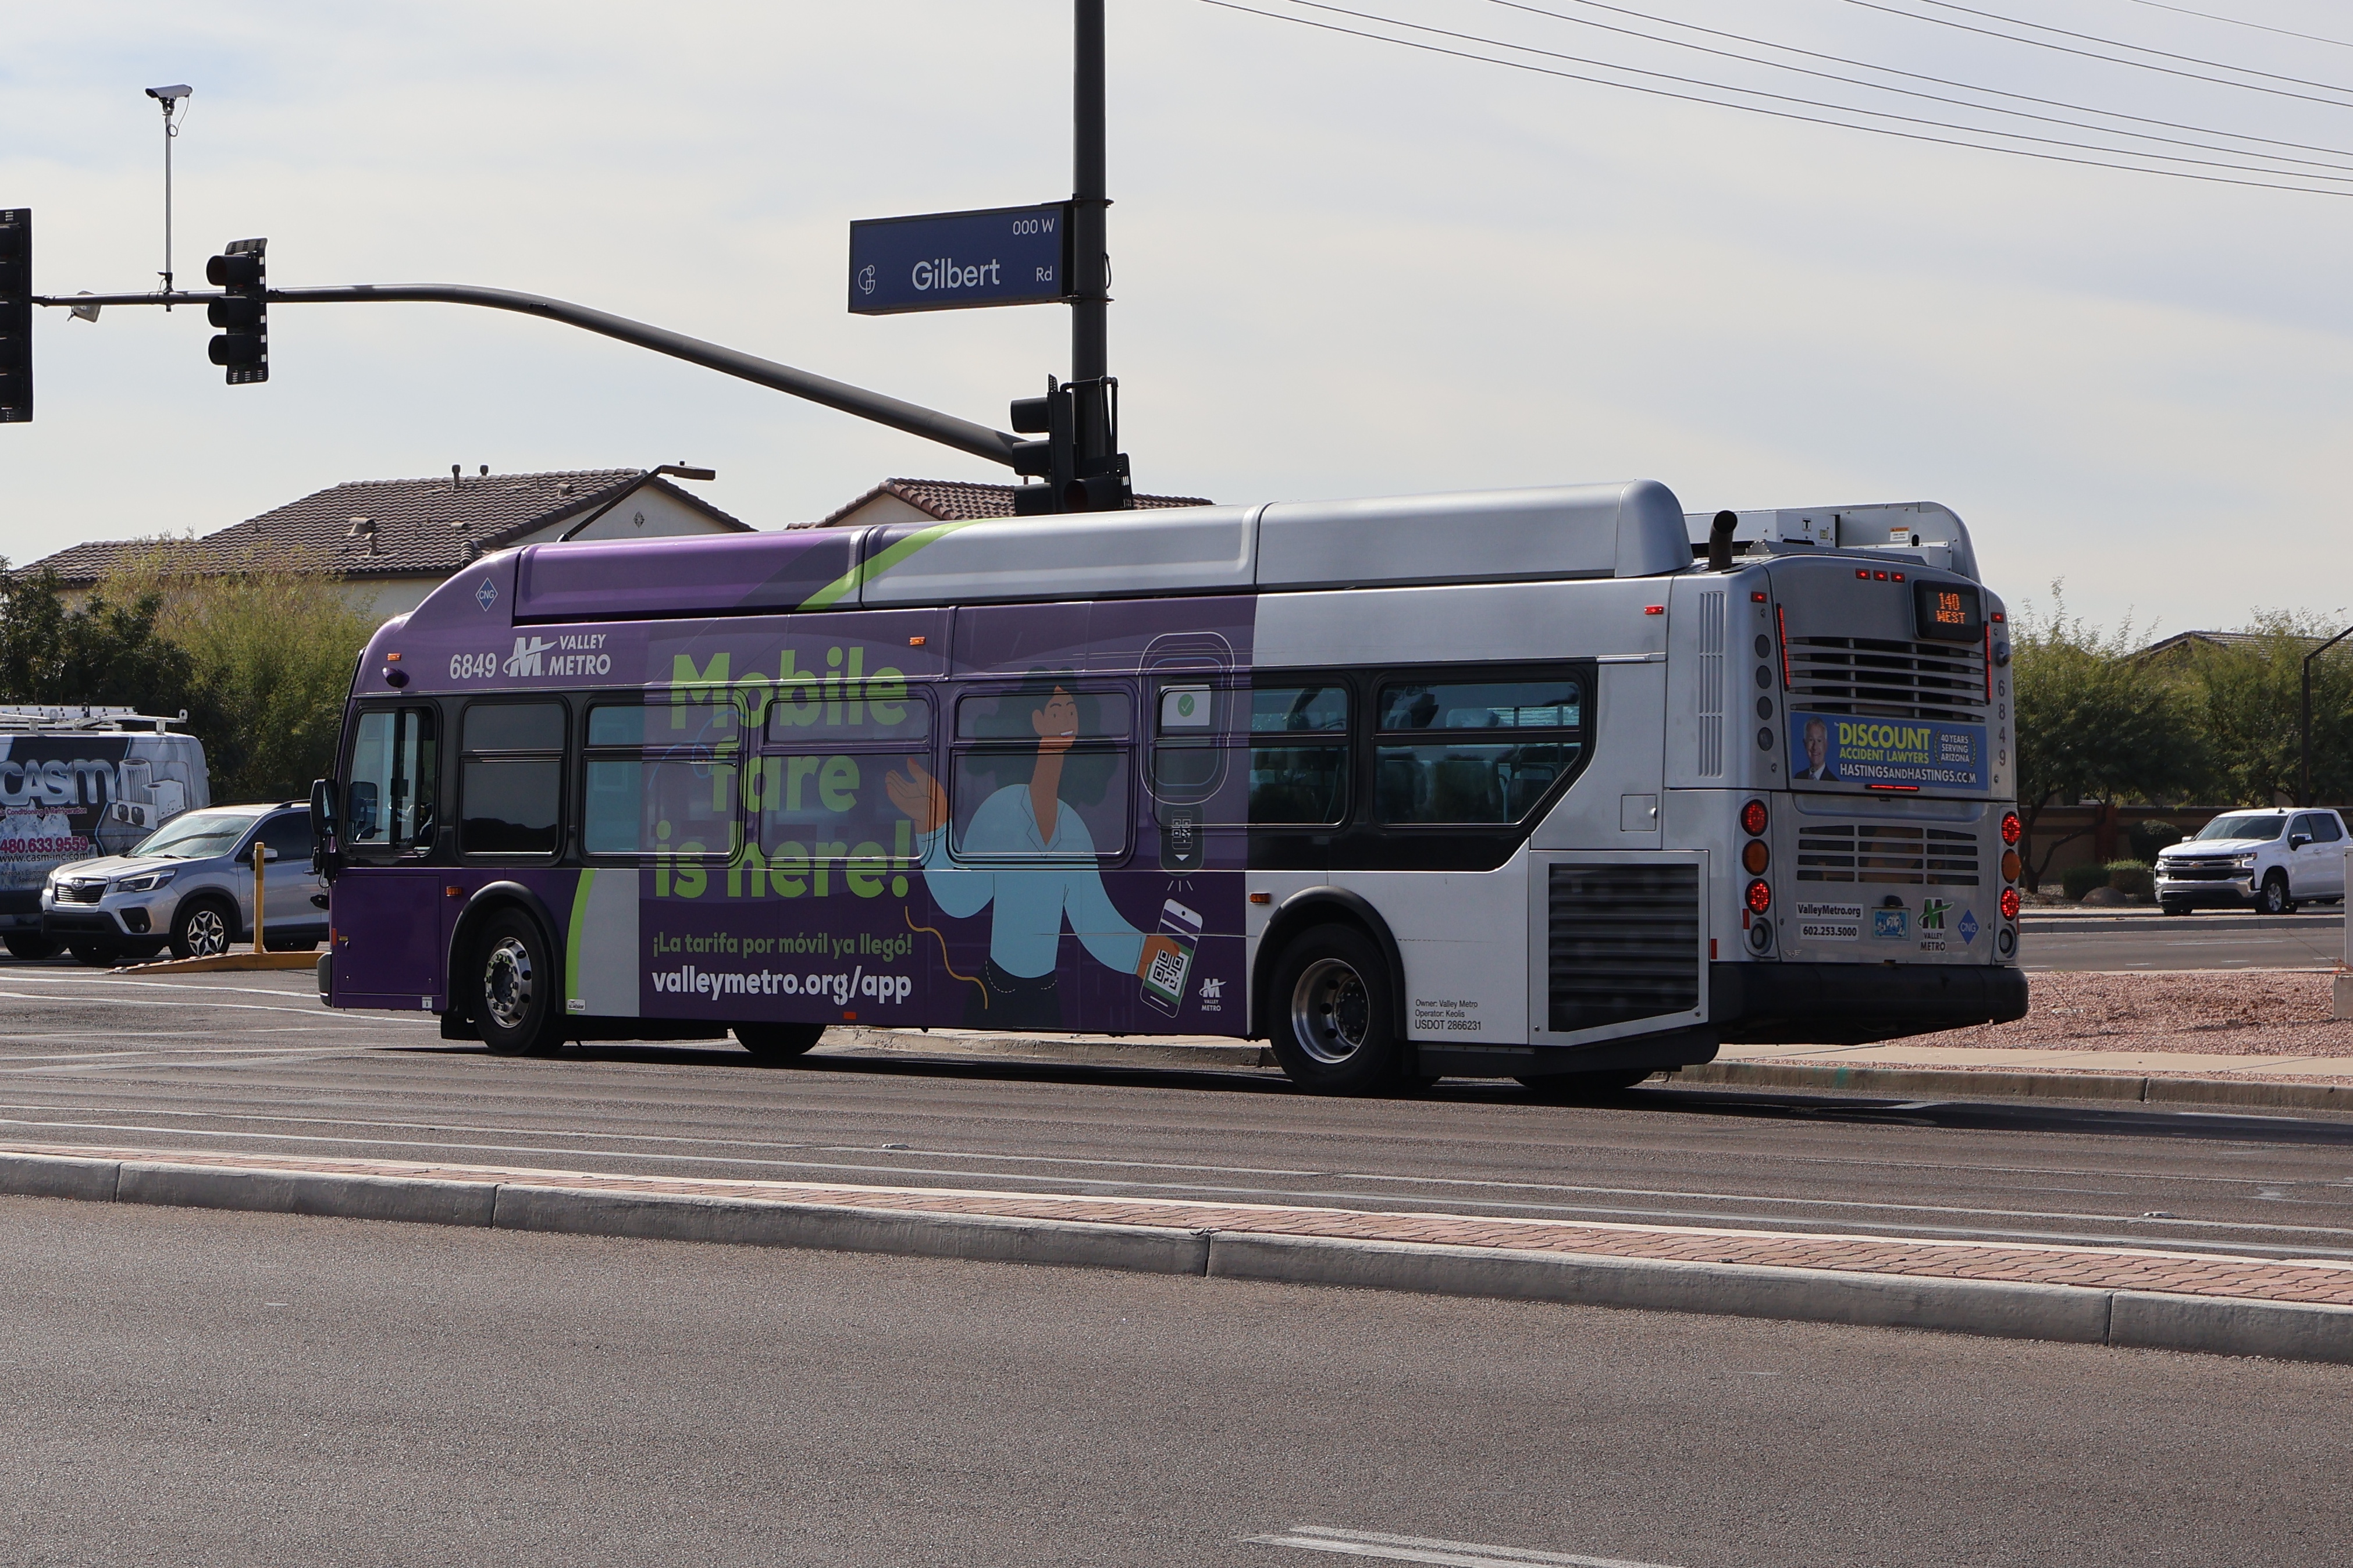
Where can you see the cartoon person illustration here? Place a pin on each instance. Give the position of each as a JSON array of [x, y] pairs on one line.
[[1030, 903]]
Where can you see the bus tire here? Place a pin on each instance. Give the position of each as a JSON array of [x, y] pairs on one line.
[[1334, 1012], [773, 1045], [30, 945], [203, 928], [511, 987], [1585, 1085]]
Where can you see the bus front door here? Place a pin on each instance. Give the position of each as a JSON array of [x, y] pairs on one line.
[[387, 926]]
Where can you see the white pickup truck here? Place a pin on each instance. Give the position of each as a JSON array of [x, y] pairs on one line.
[[2270, 861]]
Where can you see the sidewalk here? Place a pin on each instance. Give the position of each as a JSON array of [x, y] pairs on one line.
[[2301, 1308]]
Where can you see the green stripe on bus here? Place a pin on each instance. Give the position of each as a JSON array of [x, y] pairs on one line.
[[848, 583], [572, 942]]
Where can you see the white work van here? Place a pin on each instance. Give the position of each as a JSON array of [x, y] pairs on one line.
[[77, 782]]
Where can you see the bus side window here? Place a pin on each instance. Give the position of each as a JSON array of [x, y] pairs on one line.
[[1299, 755], [389, 801], [1474, 752], [1011, 745], [510, 779], [645, 792]]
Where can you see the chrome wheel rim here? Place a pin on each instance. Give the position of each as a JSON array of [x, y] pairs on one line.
[[507, 983], [1331, 1013], [208, 934]]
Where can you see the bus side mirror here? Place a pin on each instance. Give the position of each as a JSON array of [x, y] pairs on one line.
[[325, 859]]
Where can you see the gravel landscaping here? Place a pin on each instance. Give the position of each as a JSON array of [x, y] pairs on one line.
[[2224, 1013]]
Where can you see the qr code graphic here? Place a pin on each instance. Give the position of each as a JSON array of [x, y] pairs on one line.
[[1167, 971]]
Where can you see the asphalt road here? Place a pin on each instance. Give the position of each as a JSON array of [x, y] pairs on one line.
[[2206, 940], [252, 1062], [190, 1387]]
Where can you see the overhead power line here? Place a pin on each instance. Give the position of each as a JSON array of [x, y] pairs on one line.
[[1914, 92], [2242, 22], [1906, 74], [2114, 59], [1787, 114]]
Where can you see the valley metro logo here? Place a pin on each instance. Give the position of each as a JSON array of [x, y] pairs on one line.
[[528, 653], [1933, 913]]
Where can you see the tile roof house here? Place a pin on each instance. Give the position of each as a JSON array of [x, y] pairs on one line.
[[395, 540], [2180, 643], [947, 501]]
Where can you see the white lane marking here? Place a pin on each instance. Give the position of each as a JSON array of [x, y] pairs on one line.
[[287, 990], [1421, 1548], [146, 1062], [313, 1011]]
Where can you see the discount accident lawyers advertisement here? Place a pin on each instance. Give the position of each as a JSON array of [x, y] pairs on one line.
[[1902, 753]]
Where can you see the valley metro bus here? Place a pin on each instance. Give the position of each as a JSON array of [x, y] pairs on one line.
[[1557, 785]]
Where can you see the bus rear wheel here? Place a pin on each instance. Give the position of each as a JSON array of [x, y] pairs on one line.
[[1334, 1005], [513, 988], [773, 1045]]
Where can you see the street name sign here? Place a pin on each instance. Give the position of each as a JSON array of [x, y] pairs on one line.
[[954, 261]]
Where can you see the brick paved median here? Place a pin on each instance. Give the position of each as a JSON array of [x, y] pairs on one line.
[[2312, 1280]]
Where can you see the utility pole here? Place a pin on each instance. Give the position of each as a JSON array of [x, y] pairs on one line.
[[1091, 285], [2304, 727]]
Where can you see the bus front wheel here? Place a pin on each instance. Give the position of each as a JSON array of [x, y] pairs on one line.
[[514, 983], [1334, 1005], [773, 1045]]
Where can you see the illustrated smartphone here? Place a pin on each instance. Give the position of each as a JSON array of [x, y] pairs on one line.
[[1164, 982]]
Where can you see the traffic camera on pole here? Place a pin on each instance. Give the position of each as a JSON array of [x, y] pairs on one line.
[[243, 346], [15, 315]]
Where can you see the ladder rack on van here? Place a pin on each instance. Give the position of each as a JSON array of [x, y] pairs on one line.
[[22, 719]]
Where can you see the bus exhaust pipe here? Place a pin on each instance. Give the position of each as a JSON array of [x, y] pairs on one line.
[[1719, 540]]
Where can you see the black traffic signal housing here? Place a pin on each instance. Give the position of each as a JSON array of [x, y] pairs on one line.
[[1076, 479], [243, 314], [15, 315]]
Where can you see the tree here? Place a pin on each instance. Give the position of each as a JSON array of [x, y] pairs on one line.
[[2252, 693], [107, 652], [270, 643], [2093, 723]]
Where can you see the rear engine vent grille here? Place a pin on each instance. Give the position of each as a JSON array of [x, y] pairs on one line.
[[1896, 680], [1624, 943], [1887, 852]]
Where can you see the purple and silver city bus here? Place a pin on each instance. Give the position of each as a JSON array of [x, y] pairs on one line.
[[1557, 785]]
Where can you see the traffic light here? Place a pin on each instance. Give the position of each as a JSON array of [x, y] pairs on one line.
[[15, 315], [243, 346], [1076, 478]]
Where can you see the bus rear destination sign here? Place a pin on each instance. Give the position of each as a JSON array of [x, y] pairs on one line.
[[954, 261]]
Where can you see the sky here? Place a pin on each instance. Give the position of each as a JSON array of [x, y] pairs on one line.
[[1341, 267]]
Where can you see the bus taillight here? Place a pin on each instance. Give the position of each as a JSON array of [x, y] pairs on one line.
[[2012, 830], [1760, 898], [2008, 903], [2010, 865], [1755, 857], [1752, 818]]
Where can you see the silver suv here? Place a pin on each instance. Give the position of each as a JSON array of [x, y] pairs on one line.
[[190, 884]]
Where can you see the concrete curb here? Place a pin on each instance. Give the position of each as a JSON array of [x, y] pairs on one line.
[[2065, 1313], [221, 962], [1914, 1083], [1992, 1308], [829, 1227]]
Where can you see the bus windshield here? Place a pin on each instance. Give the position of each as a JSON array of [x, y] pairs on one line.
[[198, 835]]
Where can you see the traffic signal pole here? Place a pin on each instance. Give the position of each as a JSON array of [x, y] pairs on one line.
[[963, 435]]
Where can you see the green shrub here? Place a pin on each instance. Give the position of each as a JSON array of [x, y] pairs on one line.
[[2149, 837], [2133, 877], [2077, 880]]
